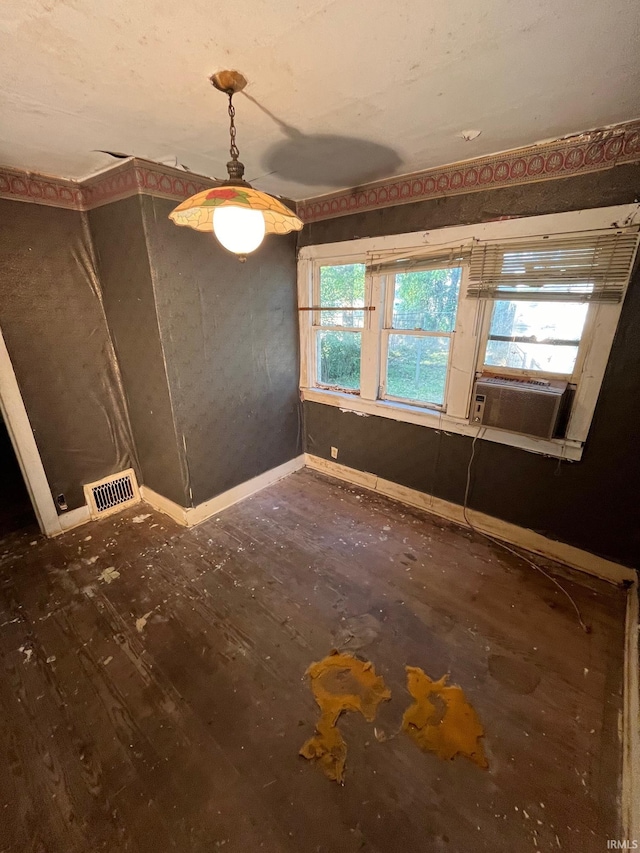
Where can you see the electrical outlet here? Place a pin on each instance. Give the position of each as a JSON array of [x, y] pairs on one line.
[[334, 452]]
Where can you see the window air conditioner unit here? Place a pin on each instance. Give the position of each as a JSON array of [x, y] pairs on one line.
[[535, 407]]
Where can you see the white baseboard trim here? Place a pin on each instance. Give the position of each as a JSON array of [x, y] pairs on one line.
[[521, 537], [189, 516], [73, 518], [168, 507], [631, 723], [529, 540], [237, 493]]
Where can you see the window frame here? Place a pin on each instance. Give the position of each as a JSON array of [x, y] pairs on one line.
[[317, 326], [388, 329], [469, 338], [520, 372]]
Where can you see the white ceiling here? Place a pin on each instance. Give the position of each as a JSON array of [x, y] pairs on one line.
[[401, 80]]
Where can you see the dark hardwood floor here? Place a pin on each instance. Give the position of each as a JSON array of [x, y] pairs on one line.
[[153, 695]]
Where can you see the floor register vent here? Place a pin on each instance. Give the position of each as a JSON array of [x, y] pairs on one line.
[[112, 493]]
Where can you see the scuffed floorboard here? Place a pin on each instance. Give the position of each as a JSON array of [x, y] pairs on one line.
[[153, 697]]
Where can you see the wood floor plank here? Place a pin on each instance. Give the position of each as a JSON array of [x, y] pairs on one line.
[[153, 694]]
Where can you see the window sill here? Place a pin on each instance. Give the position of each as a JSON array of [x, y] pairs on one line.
[[557, 447]]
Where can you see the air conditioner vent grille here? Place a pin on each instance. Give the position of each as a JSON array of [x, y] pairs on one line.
[[528, 408], [112, 494]]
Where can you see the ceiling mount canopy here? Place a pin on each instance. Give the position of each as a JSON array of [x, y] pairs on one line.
[[237, 214]]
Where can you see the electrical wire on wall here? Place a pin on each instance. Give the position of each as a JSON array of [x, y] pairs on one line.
[[586, 628]]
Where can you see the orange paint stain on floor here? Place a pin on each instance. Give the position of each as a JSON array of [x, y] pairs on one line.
[[340, 683], [440, 719]]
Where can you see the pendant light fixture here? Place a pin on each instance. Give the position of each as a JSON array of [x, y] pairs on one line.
[[237, 214]]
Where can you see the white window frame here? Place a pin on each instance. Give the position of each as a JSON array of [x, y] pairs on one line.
[[522, 373], [471, 331], [316, 318], [387, 330]]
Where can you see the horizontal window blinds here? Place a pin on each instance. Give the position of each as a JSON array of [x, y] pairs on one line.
[[569, 267], [442, 259]]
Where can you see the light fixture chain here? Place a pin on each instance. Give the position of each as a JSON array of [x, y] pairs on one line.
[[233, 150]]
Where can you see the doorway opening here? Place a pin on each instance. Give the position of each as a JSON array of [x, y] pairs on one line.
[[25, 450], [16, 509]]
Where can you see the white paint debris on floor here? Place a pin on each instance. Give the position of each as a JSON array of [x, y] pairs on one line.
[[109, 574], [138, 519], [26, 652], [142, 621]]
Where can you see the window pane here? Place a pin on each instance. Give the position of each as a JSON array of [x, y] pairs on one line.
[[417, 368], [426, 300], [535, 335], [342, 286], [338, 358]]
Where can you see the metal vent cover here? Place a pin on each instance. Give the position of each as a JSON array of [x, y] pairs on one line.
[[112, 494]]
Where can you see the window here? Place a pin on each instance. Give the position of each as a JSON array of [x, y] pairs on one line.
[[543, 337], [337, 324], [420, 321], [402, 326]]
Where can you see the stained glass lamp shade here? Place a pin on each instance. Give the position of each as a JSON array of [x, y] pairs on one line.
[[237, 214], [198, 211]]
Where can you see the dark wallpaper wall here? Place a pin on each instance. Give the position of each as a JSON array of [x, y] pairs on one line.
[[230, 337], [53, 322], [206, 376], [592, 504], [129, 302], [128, 332]]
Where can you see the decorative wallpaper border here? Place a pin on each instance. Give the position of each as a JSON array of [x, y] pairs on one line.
[[586, 152], [39, 189], [125, 179], [142, 176]]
